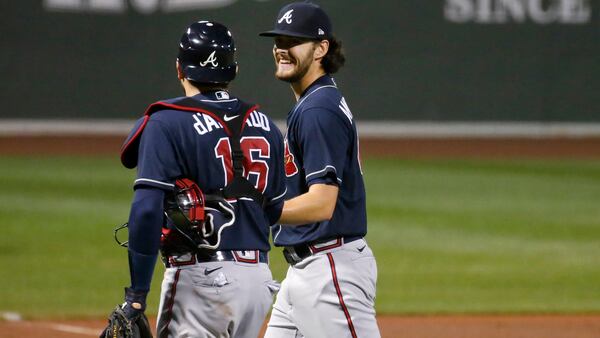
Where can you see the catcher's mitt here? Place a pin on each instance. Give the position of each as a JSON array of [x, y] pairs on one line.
[[119, 326]]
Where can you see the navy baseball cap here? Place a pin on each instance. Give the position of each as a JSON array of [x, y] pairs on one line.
[[302, 20]]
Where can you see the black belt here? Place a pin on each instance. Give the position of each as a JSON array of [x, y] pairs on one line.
[[242, 256], [295, 254]]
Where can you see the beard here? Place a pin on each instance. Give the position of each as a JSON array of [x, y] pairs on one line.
[[299, 65]]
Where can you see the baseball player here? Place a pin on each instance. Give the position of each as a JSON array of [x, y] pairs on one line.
[[188, 150], [329, 289]]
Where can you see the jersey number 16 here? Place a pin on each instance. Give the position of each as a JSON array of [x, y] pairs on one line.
[[257, 151]]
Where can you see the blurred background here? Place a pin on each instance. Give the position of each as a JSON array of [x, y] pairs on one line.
[[411, 60], [480, 135]]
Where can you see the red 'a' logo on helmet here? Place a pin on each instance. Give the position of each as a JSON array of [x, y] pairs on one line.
[[290, 166]]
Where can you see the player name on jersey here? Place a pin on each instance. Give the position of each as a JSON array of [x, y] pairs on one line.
[[206, 123]]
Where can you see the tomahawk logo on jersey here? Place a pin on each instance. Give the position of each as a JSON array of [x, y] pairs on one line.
[[325, 118], [203, 138], [291, 168]]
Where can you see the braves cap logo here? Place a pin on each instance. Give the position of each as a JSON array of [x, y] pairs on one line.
[[212, 59], [287, 17]]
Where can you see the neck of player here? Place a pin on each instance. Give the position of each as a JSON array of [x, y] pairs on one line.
[[188, 88], [314, 72]]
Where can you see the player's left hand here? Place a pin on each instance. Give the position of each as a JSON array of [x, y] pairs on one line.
[[128, 320]]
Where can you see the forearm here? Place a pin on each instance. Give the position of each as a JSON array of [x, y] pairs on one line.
[[316, 205], [145, 224]]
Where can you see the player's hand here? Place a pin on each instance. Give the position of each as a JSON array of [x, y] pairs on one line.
[[128, 320]]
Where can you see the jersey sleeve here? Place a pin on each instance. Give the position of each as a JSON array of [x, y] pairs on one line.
[[157, 159], [144, 225], [278, 189], [324, 138]]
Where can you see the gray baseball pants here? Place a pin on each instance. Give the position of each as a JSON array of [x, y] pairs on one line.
[[215, 299], [329, 294]]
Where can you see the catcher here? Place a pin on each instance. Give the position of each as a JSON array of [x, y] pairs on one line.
[[210, 182]]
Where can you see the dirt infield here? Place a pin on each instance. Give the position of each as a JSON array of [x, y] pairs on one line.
[[565, 148], [528, 326], [575, 148]]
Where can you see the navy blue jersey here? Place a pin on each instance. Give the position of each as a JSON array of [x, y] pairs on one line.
[[322, 147], [178, 144]]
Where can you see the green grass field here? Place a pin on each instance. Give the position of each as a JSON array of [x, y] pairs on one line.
[[450, 236]]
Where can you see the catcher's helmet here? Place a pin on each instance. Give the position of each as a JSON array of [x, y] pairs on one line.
[[207, 53], [186, 206], [197, 219]]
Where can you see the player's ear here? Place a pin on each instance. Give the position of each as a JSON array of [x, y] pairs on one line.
[[321, 49], [180, 75]]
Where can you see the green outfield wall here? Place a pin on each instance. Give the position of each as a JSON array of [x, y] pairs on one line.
[[430, 60]]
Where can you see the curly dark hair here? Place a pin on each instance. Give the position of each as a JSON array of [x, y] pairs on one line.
[[334, 59]]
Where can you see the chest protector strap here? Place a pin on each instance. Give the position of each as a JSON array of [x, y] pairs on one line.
[[233, 123]]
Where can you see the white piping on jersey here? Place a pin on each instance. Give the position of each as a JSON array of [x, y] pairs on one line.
[[154, 181], [309, 94], [323, 170], [239, 198], [280, 196], [217, 101], [250, 199], [278, 232]]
